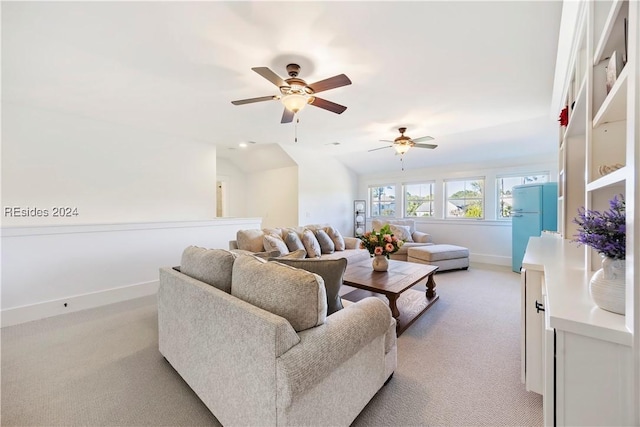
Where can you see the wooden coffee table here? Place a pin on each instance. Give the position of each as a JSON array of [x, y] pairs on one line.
[[406, 304]]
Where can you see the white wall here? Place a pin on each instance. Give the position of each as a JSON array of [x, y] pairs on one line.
[[236, 190], [84, 266], [488, 240], [110, 173], [327, 189], [273, 195]]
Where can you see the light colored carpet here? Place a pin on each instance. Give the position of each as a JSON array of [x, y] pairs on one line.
[[457, 365]]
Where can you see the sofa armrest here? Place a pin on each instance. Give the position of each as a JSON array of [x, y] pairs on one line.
[[233, 244], [351, 243], [420, 237], [325, 347]]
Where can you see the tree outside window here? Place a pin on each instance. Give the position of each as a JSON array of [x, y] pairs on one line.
[[505, 186], [465, 198], [383, 200], [418, 199]]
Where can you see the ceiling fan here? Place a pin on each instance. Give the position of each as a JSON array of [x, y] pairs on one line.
[[402, 143], [295, 93]]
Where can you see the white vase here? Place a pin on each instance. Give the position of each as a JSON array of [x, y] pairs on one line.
[[607, 286], [380, 263]]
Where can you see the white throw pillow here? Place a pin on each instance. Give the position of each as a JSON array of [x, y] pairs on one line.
[[311, 244], [273, 242], [337, 238], [402, 232]]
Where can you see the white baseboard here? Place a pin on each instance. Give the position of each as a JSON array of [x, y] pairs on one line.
[[490, 259], [28, 313]]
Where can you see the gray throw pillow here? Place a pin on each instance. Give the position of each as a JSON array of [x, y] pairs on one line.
[[273, 242], [331, 270], [311, 244], [299, 254], [326, 244], [292, 240]]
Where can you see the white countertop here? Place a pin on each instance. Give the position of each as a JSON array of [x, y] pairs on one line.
[[569, 304]]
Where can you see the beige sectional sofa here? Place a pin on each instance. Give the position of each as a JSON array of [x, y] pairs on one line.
[[262, 240], [257, 353]]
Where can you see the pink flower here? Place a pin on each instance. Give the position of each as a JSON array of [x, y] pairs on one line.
[[387, 238], [389, 247], [378, 250]]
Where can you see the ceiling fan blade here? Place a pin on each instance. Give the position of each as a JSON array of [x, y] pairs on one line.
[[425, 146], [287, 116], [328, 105], [381, 148], [330, 83], [270, 75], [422, 138], [251, 100]]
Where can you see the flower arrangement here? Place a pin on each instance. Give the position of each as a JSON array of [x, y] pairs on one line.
[[603, 231], [381, 242]]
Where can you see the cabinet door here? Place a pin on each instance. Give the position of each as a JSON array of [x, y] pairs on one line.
[[533, 324]]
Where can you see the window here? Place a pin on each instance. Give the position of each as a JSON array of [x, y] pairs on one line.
[[505, 186], [465, 198], [383, 200], [418, 199]]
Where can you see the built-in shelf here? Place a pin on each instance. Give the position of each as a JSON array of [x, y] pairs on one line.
[[614, 178], [576, 124], [614, 107], [611, 35]]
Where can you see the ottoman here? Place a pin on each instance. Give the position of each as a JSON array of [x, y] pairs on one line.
[[447, 257]]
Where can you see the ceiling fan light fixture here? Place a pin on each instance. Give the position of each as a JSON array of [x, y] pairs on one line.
[[295, 102], [401, 148]]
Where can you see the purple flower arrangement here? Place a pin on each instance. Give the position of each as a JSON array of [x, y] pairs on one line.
[[604, 231]]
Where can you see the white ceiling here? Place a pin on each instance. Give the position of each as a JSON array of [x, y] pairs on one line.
[[477, 76]]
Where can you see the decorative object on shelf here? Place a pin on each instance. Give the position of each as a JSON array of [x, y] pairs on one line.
[[380, 263], [613, 69], [564, 117], [359, 217], [381, 244], [606, 233], [607, 169]]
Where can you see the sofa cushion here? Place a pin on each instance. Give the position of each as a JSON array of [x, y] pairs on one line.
[[250, 240], [402, 232], [336, 237], [297, 295], [331, 271], [326, 244], [265, 254], [292, 240], [299, 254], [273, 242], [311, 244], [211, 266]]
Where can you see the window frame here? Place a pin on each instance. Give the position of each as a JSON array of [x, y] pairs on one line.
[[370, 200], [432, 184], [482, 197]]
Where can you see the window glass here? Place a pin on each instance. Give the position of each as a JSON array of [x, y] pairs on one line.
[[418, 199], [465, 198], [505, 186], [383, 200]]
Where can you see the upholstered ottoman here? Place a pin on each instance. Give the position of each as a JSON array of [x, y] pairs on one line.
[[447, 257]]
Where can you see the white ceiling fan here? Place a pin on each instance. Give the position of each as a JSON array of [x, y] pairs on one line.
[[403, 143]]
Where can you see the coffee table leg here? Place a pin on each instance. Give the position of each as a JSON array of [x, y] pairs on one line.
[[394, 306], [431, 287]]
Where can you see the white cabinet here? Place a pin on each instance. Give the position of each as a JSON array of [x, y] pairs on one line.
[[577, 355]]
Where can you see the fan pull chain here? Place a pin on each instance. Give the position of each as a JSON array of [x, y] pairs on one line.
[[295, 134], [402, 161]]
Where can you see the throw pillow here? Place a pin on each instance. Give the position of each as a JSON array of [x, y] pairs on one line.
[[250, 240], [326, 244], [295, 294], [275, 243], [265, 255], [402, 232], [299, 254], [336, 237], [211, 266], [292, 240], [311, 244], [331, 270]]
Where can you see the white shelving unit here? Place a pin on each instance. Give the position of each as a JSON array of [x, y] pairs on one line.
[[603, 130]]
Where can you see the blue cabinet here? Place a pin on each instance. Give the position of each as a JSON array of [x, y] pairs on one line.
[[535, 208]]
